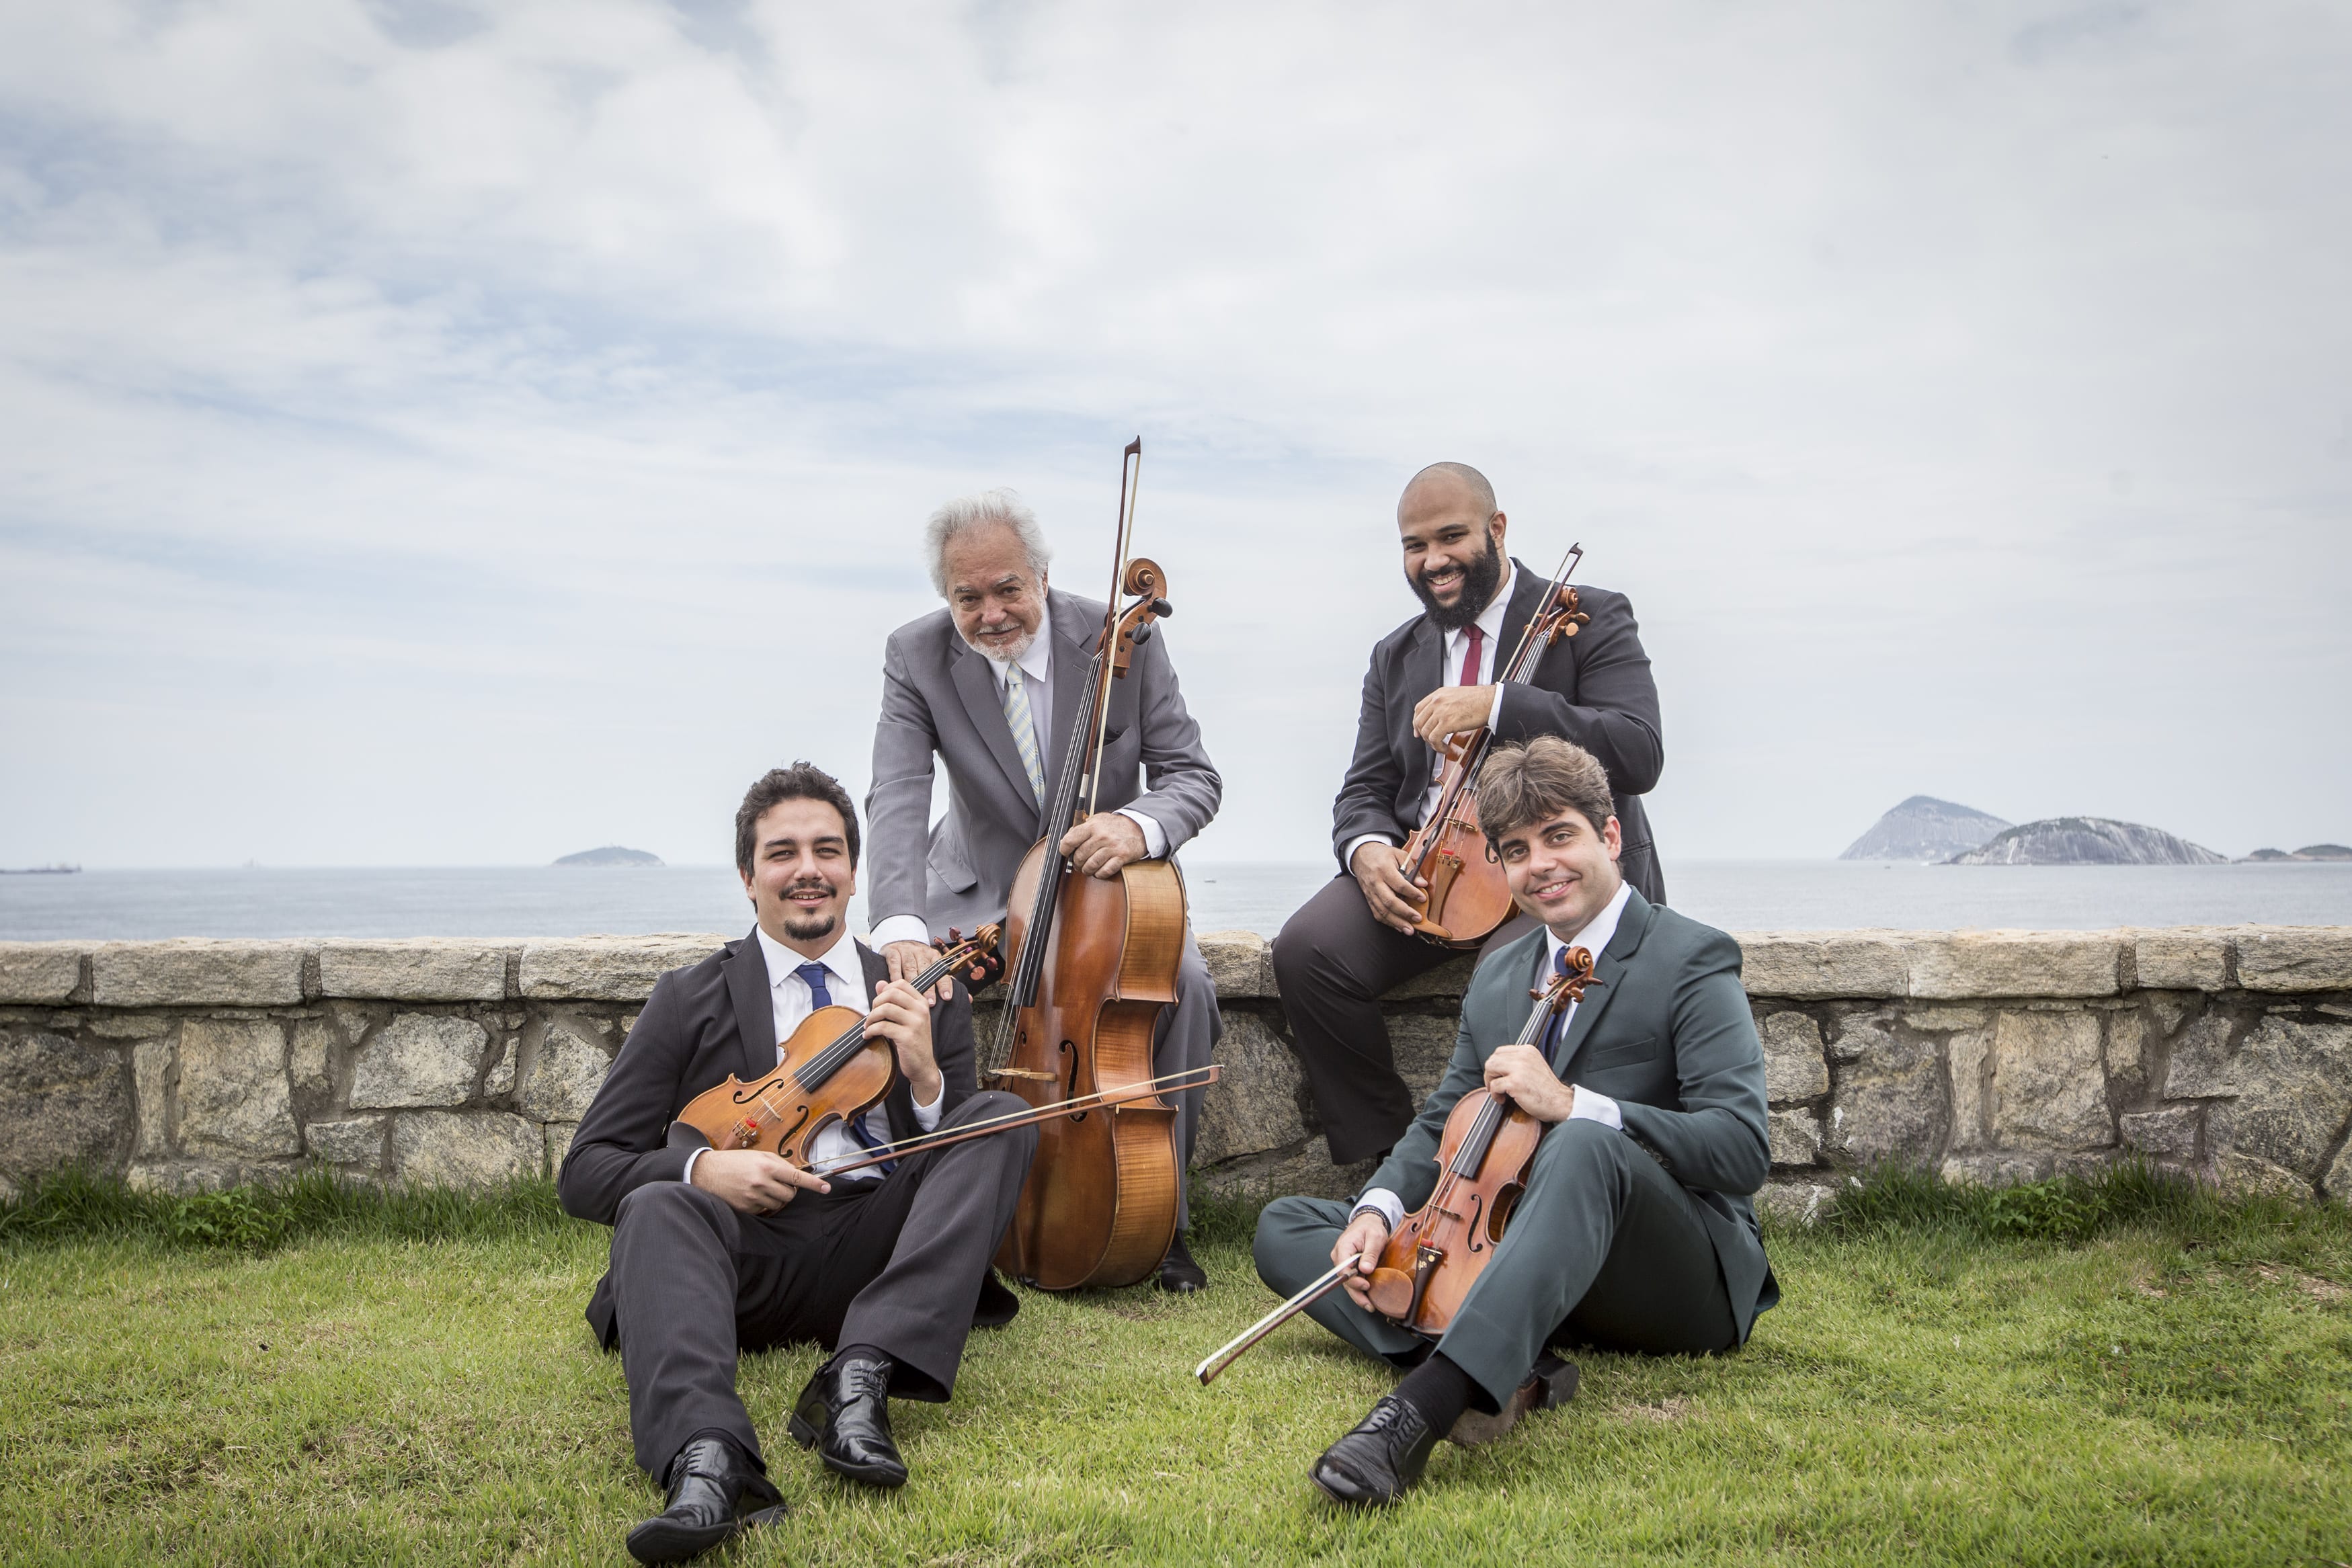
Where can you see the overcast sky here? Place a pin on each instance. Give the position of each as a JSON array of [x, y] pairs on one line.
[[440, 433]]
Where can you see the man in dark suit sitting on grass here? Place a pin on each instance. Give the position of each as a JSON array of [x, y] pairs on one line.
[[1635, 1232]]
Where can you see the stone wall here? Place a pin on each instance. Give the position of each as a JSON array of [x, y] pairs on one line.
[[1993, 1056]]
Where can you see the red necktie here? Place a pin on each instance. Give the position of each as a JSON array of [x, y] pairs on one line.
[[1472, 644]]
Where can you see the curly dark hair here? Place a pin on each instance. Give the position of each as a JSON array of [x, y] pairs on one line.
[[801, 781]]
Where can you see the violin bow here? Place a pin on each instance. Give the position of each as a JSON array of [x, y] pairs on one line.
[[1192, 1078], [1314, 1290]]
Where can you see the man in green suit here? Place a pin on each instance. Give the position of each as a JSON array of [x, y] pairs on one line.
[[1635, 1232]]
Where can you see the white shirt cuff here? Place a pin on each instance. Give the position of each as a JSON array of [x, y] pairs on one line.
[[898, 928], [1155, 837], [1358, 841], [927, 1117], [1592, 1107], [688, 1178], [1380, 1200], [1494, 713]]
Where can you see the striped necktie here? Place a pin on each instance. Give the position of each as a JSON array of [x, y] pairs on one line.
[[813, 976], [1025, 731]]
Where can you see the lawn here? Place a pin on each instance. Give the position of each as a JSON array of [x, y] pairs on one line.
[[2055, 1378]]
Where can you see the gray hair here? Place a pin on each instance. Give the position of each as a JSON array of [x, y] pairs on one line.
[[967, 512]]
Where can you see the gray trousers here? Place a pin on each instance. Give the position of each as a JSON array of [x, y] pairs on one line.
[[1605, 1249], [1184, 1039], [895, 1263]]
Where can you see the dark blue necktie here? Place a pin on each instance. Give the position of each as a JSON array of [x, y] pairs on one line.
[[813, 976]]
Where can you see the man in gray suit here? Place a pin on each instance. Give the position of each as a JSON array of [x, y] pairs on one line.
[[994, 685], [1635, 1232]]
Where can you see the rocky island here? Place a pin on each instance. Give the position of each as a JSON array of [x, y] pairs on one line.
[[611, 855], [2308, 853], [1924, 830], [2087, 841]]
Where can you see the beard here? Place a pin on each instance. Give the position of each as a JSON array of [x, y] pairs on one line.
[[1480, 577], [808, 926], [1009, 653]]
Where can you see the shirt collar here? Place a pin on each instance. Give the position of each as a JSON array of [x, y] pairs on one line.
[[1490, 620], [840, 960], [1037, 660], [1598, 932]]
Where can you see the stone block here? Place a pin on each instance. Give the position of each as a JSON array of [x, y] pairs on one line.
[[1254, 1107], [2200, 1058], [2292, 1088], [1889, 1104], [1970, 1056], [484, 1148], [1423, 1047], [431, 970], [1968, 965], [499, 1081], [2169, 1134], [150, 1075], [43, 974], [192, 973], [2337, 1183], [126, 1026], [1241, 965], [2048, 1088], [1305, 1168], [1935, 1021], [2296, 958], [608, 969], [182, 1176], [2128, 1049], [1794, 1202], [352, 1020], [2167, 1008], [2245, 1176], [1447, 981], [307, 1064], [559, 1144], [234, 1100], [62, 1104], [1794, 1068], [1798, 965], [564, 1075], [1795, 1136], [1996, 1168], [354, 1143], [418, 1059], [2190, 958]]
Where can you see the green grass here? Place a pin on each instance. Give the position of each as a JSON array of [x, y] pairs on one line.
[[2118, 1372]]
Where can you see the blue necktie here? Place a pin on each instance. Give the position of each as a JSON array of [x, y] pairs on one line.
[[813, 976]]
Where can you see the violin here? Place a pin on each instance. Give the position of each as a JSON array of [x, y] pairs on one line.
[[829, 1071], [1092, 961], [1438, 1251], [1465, 896]]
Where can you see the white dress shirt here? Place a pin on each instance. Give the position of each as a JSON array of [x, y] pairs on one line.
[[791, 1001], [1036, 664], [1586, 1107], [1449, 673]]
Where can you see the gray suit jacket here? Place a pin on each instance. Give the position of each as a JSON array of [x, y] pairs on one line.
[[939, 698], [1593, 689], [1668, 1036]]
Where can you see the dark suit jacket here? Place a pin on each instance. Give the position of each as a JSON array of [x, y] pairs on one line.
[[701, 1024], [1593, 689], [939, 698], [1668, 1036]]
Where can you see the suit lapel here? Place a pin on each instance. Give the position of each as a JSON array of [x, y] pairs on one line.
[[976, 685], [1073, 640], [1423, 673], [755, 1011], [1632, 925]]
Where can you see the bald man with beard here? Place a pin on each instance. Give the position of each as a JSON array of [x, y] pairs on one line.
[[1431, 677]]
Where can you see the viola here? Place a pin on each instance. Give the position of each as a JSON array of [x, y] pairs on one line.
[[1091, 962], [1437, 1253], [1464, 898], [829, 1070]]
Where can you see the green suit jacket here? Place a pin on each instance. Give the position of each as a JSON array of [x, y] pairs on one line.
[[1667, 1035]]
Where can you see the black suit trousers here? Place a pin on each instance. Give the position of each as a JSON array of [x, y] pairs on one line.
[[896, 1263], [1332, 962]]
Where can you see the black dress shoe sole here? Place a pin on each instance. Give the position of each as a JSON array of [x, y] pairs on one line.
[[887, 1477], [660, 1540]]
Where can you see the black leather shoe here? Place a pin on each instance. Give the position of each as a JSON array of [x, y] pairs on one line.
[[714, 1492], [1380, 1460], [1179, 1273], [997, 1306], [1551, 1383], [844, 1414]]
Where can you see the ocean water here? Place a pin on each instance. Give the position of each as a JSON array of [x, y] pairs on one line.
[[569, 901]]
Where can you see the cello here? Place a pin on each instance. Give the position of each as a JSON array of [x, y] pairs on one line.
[[1090, 964], [1438, 1251], [1464, 898]]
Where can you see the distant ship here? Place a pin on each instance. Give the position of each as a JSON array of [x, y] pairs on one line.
[[60, 869]]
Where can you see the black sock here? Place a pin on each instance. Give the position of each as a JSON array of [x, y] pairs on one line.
[[864, 1353], [1438, 1390]]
